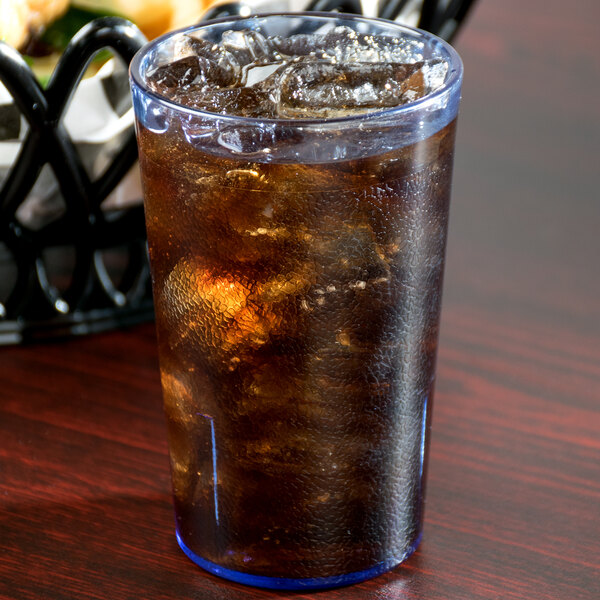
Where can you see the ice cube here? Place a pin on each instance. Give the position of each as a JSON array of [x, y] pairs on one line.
[[248, 47], [352, 256], [188, 79], [247, 140], [240, 101], [321, 88], [198, 307], [167, 78], [302, 44], [345, 45], [213, 315], [262, 74], [429, 77], [217, 55]]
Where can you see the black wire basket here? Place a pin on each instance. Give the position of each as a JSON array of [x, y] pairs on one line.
[[77, 263]]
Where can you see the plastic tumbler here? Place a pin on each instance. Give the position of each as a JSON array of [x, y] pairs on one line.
[[297, 172]]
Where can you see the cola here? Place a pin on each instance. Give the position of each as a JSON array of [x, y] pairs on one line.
[[297, 254]]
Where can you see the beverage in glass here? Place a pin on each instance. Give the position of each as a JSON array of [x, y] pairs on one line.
[[296, 173]]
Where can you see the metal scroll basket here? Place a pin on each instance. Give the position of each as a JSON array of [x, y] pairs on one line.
[[73, 256]]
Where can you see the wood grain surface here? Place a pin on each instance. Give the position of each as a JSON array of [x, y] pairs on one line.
[[513, 508]]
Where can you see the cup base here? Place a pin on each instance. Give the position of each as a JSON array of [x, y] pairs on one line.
[[285, 583]]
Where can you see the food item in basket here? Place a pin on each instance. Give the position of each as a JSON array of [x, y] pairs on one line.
[[41, 29], [21, 20], [153, 17]]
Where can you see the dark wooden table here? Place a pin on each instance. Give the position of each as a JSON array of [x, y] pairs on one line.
[[513, 508]]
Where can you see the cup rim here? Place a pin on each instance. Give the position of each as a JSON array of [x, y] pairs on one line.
[[453, 79]]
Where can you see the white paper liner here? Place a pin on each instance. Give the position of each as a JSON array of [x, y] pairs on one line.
[[98, 119]]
